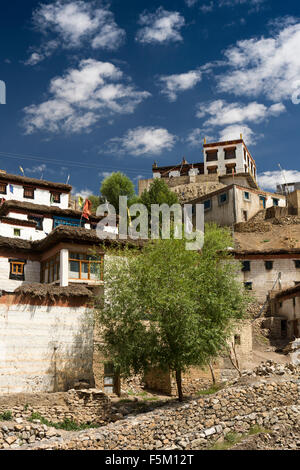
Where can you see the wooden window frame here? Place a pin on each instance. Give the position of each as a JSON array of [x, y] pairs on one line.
[[56, 195], [232, 149], [206, 209], [221, 203], [4, 186], [15, 230], [212, 156], [28, 188], [17, 269], [89, 262], [51, 265]]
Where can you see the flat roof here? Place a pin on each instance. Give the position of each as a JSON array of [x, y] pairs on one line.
[[44, 184]]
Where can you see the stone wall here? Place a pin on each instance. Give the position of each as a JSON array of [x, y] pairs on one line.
[[80, 406], [196, 424]]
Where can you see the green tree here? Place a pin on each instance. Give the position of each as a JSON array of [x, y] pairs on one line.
[[116, 185], [170, 308], [158, 193]]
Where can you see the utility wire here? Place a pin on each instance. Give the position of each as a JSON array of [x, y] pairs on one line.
[[67, 163]]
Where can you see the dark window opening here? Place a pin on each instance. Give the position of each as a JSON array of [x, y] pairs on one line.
[[212, 170], [207, 205], [230, 154], [223, 198], [248, 285], [17, 232], [283, 328], [247, 196], [29, 193], [245, 216], [297, 263], [38, 220], [237, 340], [275, 202], [230, 169], [55, 197], [212, 156], [269, 265], [246, 266], [3, 188]]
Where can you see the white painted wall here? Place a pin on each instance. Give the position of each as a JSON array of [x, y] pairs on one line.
[[264, 280], [44, 348], [221, 162], [27, 233], [41, 196], [32, 274]]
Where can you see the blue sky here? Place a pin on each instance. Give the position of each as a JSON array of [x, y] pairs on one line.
[[96, 86]]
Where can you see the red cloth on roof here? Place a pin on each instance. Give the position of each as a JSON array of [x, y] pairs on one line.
[[87, 209]]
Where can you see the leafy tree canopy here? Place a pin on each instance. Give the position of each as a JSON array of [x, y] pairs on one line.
[[159, 193], [115, 185], [171, 308]]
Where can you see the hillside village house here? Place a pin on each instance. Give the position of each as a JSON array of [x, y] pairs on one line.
[[52, 264]]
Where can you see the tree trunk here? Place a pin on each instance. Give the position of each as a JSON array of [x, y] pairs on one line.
[[179, 385], [212, 373]]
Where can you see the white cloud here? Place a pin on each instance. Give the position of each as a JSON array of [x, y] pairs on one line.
[[233, 133], [73, 23], [160, 27], [191, 3], [84, 193], [268, 66], [105, 174], [207, 7], [196, 137], [221, 113], [172, 85], [82, 97], [270, 179], [39, 169], [143, 141]]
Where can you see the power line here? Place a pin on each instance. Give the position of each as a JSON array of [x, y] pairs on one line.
[[67, 163]]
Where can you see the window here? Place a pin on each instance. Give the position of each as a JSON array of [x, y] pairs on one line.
[[17, 232], [50, 269], [212, 170], [3, 188], [269, 265], [230, 154], [55, 197], [85, 267], [237, 340], [275, 202], [297, 263], [28, 193], [230, 169], [223, 198], [247, 196], [207, 205], [248, 285], [283, 328], [212, 155], [38, 220], [65, 221], [17, 269], [246, 266], [245, 216]]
